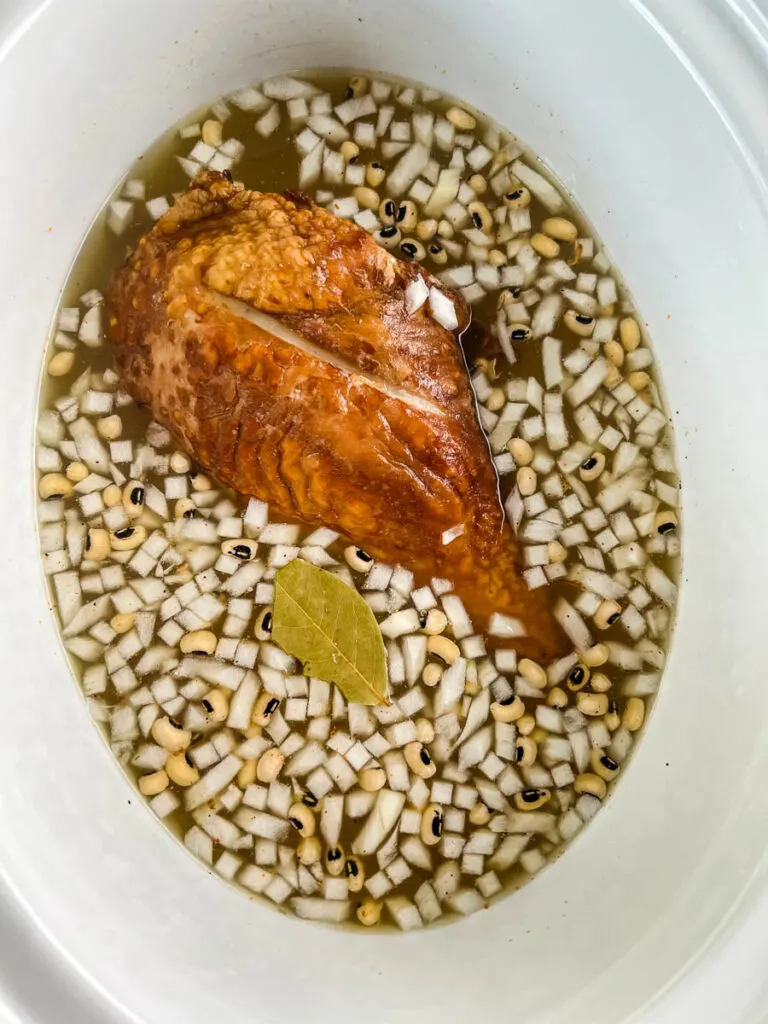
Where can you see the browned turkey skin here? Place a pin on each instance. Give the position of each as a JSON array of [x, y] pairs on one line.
[[341, 409]]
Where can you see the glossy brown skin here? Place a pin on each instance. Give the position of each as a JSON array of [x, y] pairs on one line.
[[317, 442]]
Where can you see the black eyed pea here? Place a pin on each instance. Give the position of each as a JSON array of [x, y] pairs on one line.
[[200, 482], [109, 427], [665, 522], [358, 86], [436, 622], [445, 229], [112, 496], [638, 379], [603, 765], [128, 538], [426, 230], [388, 212], [496, 258], [241, 548], [369, 913], [607, 613], [133, 499], [481, 217], [518, 198], [181, 770], [544, 246], [388, 237], [520, 451], [358, 559], [372, 779], [367, 197], [170, 735], [612, 377], [478, 184], [532, 673], [593, 705], [247, 774], [634, 714], [76, 471], [213, 132], [123, 622], [334, 861], [579, 323], [578, 678], [216, 706], [349, 150], [532, 799], [184, 508], [461, 119], [97, 545], [262, 628], [355, 872], [557, 698], [418, 760], [270, 765], [592, 467], [309, 850], [309, 799], [520, 332], [496, 400], [437, 253], [595, 656], [592, 784], [199, 641], [600, 683], [612, 719], [613, 352], [407, 215], [61, 364], [180, 462], [443, 648], [432, 674], [629, 332], [527, 481], [556, 552], [479, 814], [264, 708], [425, 730], [154, 783], [526, 750], [54, 485], [526, 725], [302, 819], [374, 174], [431, 825], [560, 228], [509, 710], [412, 249]]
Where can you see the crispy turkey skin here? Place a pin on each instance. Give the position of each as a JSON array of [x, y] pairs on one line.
[[340, 408]]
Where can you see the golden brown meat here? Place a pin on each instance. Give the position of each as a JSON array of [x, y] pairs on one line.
[[360, 417]]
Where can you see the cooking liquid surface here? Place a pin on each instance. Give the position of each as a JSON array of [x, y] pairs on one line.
[[272, 164]]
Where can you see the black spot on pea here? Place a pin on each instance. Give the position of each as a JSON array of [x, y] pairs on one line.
[[589, 463], [613, 618], [437, 825], [609, 763], [334, 854], [241, 551], [581, 318], [137, 496], [424, 755], [351, 869], [668, 527], [208, 706], [363, 555], [577, 675], [477, 220], [126, 532], [520, 334], [266, 623], [272, 705], [389, 232], [296, 824], [309, 799]]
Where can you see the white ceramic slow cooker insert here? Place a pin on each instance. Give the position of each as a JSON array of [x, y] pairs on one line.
[[651, 114]]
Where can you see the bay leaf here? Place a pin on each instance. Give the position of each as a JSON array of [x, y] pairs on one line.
[[328, 626]]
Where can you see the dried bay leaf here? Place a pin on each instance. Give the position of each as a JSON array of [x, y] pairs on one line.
[[328, 626]]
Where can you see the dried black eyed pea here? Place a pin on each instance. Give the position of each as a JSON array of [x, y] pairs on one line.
[[170, 735], [388, 237], [557, 698], [184, 508], [518, 199], [520, 332], [603, 765], [302, 819], [578, 678], [432, 825], [412, 249], [481, 217], [216, 706], [532, 799], [525, 751], [355, 872], [240, 548], [665, 522], [591, 468], [508, 710], [128, 538], [418, 760], [374, 174], [133, 499], [265, 707], [358, 559], [262, 628], [607, 613], [579, 323], [199, 641], [181, 770], [589, 783], [369, 913], [438, 253], [334, 861], [407, 215], [97, 545], [54, 485], [309, 850]]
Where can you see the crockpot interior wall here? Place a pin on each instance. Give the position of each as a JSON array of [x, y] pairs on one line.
[[596, 91]]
